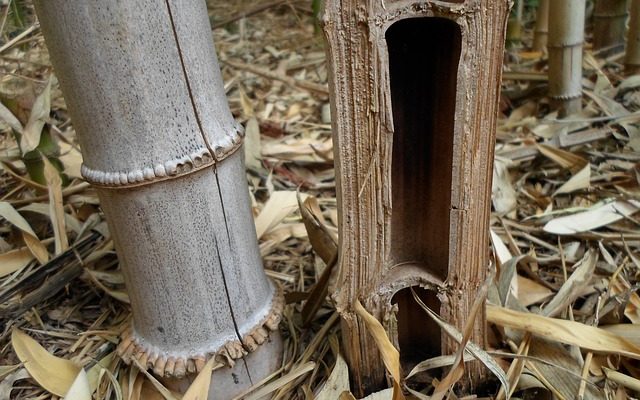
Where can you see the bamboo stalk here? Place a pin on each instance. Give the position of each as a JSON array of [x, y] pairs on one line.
[[632, 56], [541, 33], [566, 37], [609, 24], [144, 90], [414, 89]]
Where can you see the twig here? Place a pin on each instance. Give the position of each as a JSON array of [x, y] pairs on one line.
[[312, 87]]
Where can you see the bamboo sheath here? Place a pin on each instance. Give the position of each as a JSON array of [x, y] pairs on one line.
[[144, 90], [414, 91], [632, 56], [566, 37], [609, 24]]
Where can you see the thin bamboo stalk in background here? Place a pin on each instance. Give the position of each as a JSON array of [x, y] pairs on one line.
[[632, 57], [144, 90], [541, 33], [566, 37], [609, 24]]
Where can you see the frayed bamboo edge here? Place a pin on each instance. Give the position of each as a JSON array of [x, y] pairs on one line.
[[178, 366]]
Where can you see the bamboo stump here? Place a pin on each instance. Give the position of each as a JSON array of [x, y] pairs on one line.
[[144, 90], [415, 90]]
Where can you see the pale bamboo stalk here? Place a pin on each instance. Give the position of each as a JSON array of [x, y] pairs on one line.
[[566, 37], [414, 105], [541, 33], [145, 94], [609, 24], [632, 56]]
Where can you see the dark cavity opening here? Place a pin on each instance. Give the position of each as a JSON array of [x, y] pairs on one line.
[[419, 336], [423, 65]]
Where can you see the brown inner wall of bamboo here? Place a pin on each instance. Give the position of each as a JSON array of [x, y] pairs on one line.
[[423, 62]]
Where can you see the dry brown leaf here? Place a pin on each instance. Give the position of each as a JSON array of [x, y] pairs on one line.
[[568, 332], [390, 355], [54, 374]]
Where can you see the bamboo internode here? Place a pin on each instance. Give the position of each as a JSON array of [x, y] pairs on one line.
[[145, 93], [566, 37]]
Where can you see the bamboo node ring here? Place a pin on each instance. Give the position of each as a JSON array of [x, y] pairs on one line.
[[179, 365]]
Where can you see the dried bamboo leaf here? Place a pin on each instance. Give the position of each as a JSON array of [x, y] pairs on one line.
[[572, 288], [581, 180], [14, 260], [565, 159], [531, 292], [283, 380], [199, 388], [7, 116], [568, 332], [79, 389], [390, 355], [38, 117], [279, 205], [594, 218], [337, 382], [480, 355], [56, 206], [31, 240], [54, 374]]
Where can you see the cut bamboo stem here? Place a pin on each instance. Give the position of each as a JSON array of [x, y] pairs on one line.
[[144, 90], [609, 24], [541, 33], [414, 92], [566, 37], [632, 56]]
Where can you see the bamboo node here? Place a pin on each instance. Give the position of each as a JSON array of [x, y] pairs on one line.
[[131, 347], [174, 168]]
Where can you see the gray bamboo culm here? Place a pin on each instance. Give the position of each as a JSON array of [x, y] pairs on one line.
[[144, 90], [565, 42]]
